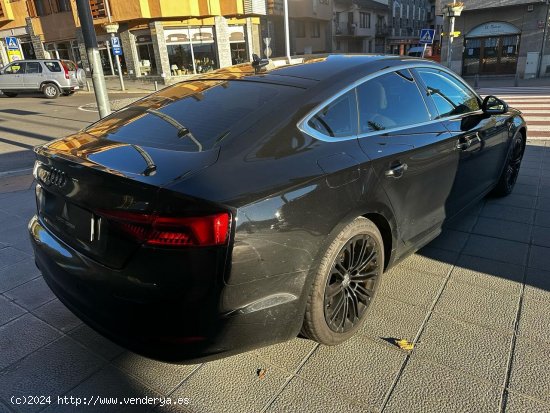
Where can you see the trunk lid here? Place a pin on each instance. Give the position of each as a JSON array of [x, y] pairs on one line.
[[81, 178]]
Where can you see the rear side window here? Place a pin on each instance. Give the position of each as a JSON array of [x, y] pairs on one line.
[[33, 67], [53, 66], [390, 101], [338, 118], [449, 95], [192, 116]]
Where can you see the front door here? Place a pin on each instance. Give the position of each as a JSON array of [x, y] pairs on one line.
[[480, 140], [413, 156], [12, 77]]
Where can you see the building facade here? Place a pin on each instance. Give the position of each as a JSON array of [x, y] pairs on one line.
[[309, 27], [407, 19], [502, 37], [159, 38], [360, 26]]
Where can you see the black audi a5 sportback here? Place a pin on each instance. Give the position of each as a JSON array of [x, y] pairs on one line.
[[249, 205]]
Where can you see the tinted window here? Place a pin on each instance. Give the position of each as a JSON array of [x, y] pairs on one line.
[[33, 67], [14, 68], [190, 116], [450, 96], [338, 118], [390, 101], [53, 66]]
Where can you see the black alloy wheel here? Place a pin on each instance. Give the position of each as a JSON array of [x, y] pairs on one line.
[[514, 162], [510, 173], [345, 283], [351, 284]]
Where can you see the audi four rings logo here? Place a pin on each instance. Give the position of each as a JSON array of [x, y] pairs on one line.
[[53, 177]]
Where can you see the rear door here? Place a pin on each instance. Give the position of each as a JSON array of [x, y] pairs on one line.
[[480, 140], [33, 76], [413, 155]]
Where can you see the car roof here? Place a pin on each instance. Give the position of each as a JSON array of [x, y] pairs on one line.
[[306, 71]]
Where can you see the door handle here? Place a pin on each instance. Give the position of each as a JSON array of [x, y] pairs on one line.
[[465, 142], [396, 171]]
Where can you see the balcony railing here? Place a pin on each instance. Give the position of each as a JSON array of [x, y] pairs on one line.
[[382, 30], [345, 29], [99, 9]]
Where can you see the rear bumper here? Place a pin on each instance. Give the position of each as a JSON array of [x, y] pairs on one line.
[[156, 323]]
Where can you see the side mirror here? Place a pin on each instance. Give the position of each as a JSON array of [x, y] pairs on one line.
[[494, 106]]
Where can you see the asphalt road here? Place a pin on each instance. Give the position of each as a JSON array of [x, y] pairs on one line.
[[43, 120]]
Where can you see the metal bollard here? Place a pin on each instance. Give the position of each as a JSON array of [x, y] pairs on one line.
[[476, 81], [516, 80], [156, 86], [88, 85]]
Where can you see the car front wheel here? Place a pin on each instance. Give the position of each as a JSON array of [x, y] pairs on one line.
[[345, 283], [510, 172], [51, 91]]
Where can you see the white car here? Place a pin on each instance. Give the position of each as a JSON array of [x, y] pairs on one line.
[[51, 77]]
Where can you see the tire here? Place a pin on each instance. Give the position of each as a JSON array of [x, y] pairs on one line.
[[345, 284], [10, 94], [81, 77], [509, 174], [50, 90]]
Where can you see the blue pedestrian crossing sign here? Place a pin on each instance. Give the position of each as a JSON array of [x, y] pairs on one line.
[[12, 43], [427, 36]]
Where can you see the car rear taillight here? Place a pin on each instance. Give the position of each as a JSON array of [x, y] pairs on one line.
[[157, 230], [66, 70]]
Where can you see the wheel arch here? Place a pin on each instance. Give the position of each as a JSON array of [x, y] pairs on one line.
[[385, 229], [50, 81]]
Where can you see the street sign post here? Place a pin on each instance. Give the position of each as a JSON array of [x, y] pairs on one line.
[[426, 38], [12, 43], [14, 53], [115, 44]]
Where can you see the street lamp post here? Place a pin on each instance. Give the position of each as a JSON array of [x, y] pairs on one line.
[[112, 28], [451, 11]]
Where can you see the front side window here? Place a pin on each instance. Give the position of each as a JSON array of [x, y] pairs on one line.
[[15, 68], [450, 96], [338, 118], [390, 101]]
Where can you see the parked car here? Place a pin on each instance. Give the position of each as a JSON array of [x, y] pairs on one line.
[[51, 77], [249, 205]]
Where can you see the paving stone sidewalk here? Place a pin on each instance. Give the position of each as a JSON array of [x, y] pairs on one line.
[[476, 301]]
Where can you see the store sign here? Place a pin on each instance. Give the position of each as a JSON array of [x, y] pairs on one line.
[[236, 34], [493, 29], [14, 55], [189, 35]]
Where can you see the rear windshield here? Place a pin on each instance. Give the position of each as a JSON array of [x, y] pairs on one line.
[[191, 116], [53, 66]]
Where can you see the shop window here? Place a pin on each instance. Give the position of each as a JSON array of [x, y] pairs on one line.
[[184, 43], [146, 56], [237, 44]]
